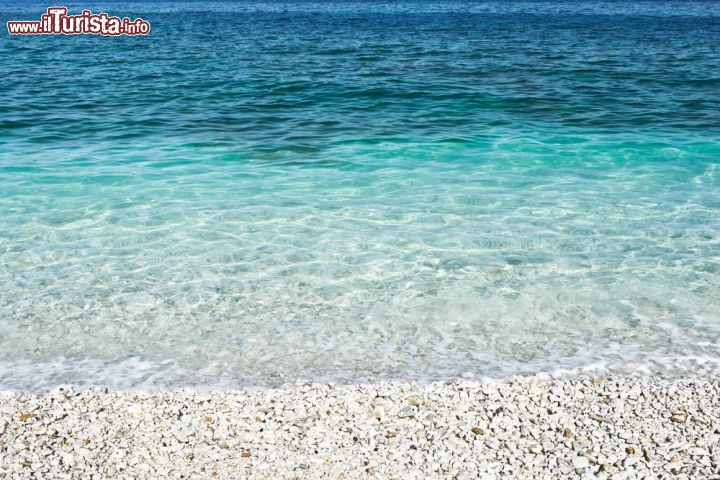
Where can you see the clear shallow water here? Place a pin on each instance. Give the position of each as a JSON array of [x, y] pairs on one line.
[[261, 192]]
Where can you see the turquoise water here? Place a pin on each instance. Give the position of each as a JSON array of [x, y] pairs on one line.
[[257, 193]]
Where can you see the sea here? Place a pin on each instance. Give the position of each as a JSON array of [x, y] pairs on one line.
[[260, 193]]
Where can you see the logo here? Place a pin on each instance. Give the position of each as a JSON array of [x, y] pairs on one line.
[[57, 22]]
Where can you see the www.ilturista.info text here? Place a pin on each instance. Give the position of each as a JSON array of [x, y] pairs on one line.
[[57, 21]]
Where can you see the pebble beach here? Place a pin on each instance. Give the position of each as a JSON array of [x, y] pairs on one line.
[[310, 239], [522, 427]]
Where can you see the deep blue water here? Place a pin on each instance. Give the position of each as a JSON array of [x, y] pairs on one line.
[[259, 192]]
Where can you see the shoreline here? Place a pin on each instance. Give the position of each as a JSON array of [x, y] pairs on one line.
[[521, 427]]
